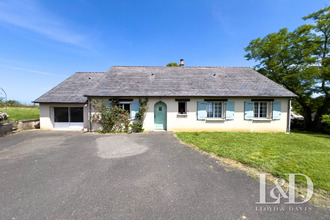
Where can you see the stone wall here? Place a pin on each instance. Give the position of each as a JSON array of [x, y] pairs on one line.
[[5, 128], [28, 124]]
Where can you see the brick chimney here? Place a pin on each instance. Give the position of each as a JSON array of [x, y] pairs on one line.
[[181, 62]]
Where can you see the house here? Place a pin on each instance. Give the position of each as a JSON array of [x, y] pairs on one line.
[[180, 99]]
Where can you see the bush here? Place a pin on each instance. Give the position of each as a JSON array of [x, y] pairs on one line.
[[326, 123], [116, 119], [297, 124], [137, 127], [3, 116], [113, 119]]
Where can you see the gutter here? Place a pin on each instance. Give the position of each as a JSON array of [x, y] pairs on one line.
[[90, 115], [288, 129]]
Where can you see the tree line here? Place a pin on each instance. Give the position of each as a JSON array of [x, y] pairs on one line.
[[14, 103]]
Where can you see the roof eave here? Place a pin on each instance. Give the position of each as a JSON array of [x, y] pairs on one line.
[[50, 102], [236, 96]]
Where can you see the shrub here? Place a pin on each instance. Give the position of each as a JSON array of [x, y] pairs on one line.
[[116, 119], [297, 124], [137, 126], [3, 116], [326, 123], [113, 119]]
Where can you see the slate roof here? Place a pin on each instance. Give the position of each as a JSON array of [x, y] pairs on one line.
[[73, 89], [150, 81]]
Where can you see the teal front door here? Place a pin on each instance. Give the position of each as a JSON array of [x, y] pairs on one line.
[[160, 113]]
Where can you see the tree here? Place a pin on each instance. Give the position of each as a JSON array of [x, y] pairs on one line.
[[13, 103], [172, 64], [299, 61]]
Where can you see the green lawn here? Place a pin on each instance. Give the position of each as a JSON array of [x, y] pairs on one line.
[[21, 113], [276, 153]]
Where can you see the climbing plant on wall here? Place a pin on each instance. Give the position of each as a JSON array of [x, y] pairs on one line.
[[137, 126], [114, 119]]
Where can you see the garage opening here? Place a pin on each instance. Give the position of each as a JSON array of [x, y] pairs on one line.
[[71, 118]]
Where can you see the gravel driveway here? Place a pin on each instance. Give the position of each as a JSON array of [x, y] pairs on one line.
[[74, 175]]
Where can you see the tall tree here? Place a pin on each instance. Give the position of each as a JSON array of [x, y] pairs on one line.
[[299, 61]]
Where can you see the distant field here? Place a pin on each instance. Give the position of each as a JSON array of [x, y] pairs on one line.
[[21, 113]]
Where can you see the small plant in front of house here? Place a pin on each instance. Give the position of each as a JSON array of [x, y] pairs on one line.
[[137, 126], [3, 116]]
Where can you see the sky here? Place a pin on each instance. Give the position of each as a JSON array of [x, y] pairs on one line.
[[43, 42]]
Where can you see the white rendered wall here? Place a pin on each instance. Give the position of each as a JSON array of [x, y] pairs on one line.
[[47, 114], [176, 122], [190, 122]]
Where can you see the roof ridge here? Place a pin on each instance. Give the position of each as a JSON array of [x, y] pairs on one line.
[[193, 66], [91, 72]]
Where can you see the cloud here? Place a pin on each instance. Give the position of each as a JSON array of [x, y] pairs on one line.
[[31, 71], [29, 15]]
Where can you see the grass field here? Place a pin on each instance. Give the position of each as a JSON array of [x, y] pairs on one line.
[[277, 154], [21, 113]]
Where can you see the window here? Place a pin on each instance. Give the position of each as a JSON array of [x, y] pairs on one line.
[[260, 109], [182, 107], [76, 114], [61, 114], [68, 114], [214, 109], [126, 106]]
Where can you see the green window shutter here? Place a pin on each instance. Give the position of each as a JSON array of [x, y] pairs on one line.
[[276, 110], [230, 110], [135, 106], [201, 110], [108, 104], [248, 110]]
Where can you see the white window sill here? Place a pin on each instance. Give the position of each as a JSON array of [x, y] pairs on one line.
[[214, 119], [261, 119], [182, 115]]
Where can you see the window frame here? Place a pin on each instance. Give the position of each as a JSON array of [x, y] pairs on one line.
[[72, 117], [185, 106], [56, 120], [125, 103], [213, 110], [259, 107], [68, 114]]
